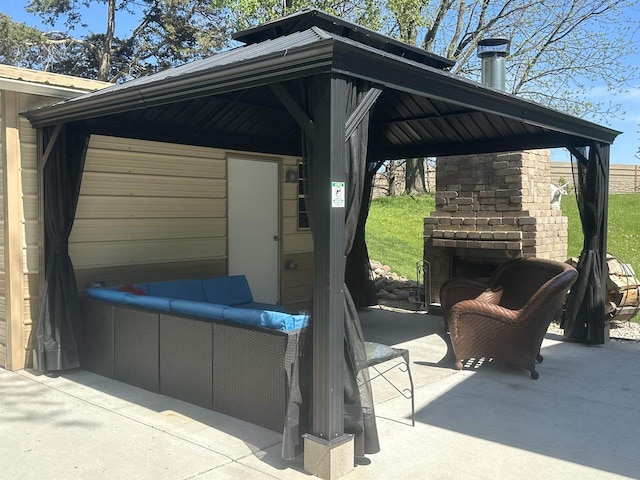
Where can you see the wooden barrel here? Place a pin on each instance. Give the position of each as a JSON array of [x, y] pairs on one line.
[[623, 290]]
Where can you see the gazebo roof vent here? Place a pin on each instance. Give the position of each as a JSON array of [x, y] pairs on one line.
[[305, 19]]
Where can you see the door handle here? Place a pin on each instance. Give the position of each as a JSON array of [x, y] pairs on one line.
[[276, 238]]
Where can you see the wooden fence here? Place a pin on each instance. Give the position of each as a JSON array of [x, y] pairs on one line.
[[622, 178]]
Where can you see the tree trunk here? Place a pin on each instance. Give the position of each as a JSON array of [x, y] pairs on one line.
[[392, 169], [414, 180], [105, 56]]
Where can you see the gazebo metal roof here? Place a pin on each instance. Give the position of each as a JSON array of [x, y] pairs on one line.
[[228, 100]]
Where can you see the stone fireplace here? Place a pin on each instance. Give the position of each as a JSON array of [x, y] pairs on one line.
[[491, 208]]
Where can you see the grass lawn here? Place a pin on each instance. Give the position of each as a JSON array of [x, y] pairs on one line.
[[395, 227], [623, 233]]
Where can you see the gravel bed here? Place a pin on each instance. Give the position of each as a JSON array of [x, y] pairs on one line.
[[619, 331]]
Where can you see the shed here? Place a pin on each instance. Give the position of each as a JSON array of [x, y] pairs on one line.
[[309, 87], [22, 89]]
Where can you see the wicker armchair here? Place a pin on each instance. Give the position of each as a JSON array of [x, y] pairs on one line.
[[507, 317]]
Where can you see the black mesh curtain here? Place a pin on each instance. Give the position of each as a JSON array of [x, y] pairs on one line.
[[584, 318], [359, 414], [358, 275], [58, 334]]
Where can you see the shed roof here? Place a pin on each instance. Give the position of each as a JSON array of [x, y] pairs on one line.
[[45, 83], [227, 100]]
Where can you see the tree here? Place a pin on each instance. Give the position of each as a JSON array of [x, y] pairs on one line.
[[21, 45], [166, 33], [559, 48]]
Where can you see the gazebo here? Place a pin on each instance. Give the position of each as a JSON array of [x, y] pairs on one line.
[[344, 99]]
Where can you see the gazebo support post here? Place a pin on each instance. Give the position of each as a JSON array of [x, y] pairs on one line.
[[328, 452], [604, 152]]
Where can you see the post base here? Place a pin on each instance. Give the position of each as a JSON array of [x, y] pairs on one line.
[[328, 460]]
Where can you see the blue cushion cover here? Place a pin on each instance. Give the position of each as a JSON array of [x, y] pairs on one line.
[[200, 309], [261, 306], [148, 301], [106, 294], [265, 318], [209, 298]]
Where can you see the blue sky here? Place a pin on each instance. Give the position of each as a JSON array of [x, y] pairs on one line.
[[622, 151]]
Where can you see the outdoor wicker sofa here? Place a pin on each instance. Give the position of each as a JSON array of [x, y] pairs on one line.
[[238, 369]]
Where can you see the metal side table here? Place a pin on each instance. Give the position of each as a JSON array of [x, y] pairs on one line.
[[378, 353]]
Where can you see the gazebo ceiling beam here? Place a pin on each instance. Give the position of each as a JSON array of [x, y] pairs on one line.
[[546, 140], [295, 110], [213, 139], [361, 110]]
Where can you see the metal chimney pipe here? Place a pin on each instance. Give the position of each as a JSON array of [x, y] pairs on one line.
[[493, 52]]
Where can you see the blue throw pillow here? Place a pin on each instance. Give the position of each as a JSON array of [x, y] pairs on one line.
[[282, 321]]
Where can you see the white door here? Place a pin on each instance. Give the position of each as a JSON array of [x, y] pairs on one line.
[[254, 227]]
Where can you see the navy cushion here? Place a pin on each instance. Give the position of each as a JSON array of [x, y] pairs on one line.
[[189, 289], [233, 290]]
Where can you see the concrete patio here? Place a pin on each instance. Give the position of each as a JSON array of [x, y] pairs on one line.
[[579, 420]]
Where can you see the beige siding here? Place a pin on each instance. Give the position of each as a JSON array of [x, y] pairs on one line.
[[30, 226], [150, 210], [297, 246], [22, 180], [149, 203], [20, 279], [3, 313]]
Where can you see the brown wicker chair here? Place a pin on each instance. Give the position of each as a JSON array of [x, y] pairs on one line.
[[507, 317]]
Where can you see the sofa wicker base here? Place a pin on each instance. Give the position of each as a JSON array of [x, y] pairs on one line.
[[235, 369]]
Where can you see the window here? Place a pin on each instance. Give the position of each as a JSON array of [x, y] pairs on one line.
[[303, 218]]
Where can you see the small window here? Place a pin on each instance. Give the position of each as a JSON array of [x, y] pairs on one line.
[[303, 218]]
